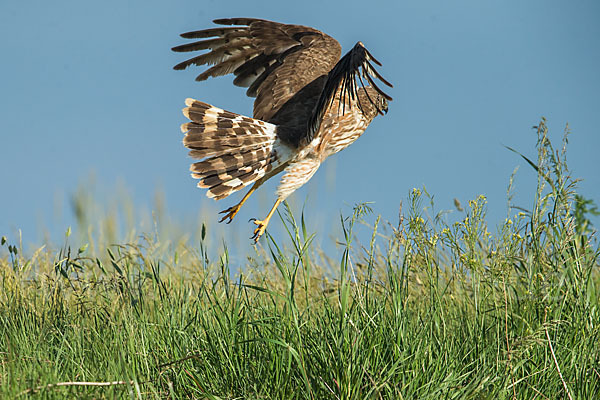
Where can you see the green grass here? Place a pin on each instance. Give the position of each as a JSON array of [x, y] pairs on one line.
[[427, 309]]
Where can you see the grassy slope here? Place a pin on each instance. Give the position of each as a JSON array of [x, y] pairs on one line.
[[426, 310]]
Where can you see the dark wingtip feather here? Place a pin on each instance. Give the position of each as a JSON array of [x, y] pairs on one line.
[[181, 48], [381, 92], [223, 21], [199, 45], [236, 21], [372, 58], [231, 21], [177, 49], [377, 74], [181, 66], [211, 32]]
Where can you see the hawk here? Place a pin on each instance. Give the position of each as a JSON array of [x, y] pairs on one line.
[[310, 104]]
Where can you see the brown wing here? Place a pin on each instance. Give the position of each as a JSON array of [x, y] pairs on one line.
[[273, 60], [345, 80]]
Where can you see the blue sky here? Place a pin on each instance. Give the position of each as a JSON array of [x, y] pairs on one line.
[[88, 89]]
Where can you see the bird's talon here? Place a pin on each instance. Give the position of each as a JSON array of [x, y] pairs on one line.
[[229, 213], [258, 232]]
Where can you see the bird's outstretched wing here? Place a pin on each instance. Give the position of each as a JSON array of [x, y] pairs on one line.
[[344, 81], [273, 60]]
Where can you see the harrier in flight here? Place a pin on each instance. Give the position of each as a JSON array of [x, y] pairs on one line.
[[310, 104]]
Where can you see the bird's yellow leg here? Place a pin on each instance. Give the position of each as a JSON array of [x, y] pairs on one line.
[[232, 211], [262, 225]]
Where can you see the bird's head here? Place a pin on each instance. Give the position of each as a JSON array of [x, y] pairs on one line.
[[372, 103], [382, 103]]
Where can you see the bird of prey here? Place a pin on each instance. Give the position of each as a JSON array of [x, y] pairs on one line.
[[310, 104]]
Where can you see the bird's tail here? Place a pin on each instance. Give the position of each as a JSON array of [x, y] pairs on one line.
[[235, 150]]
